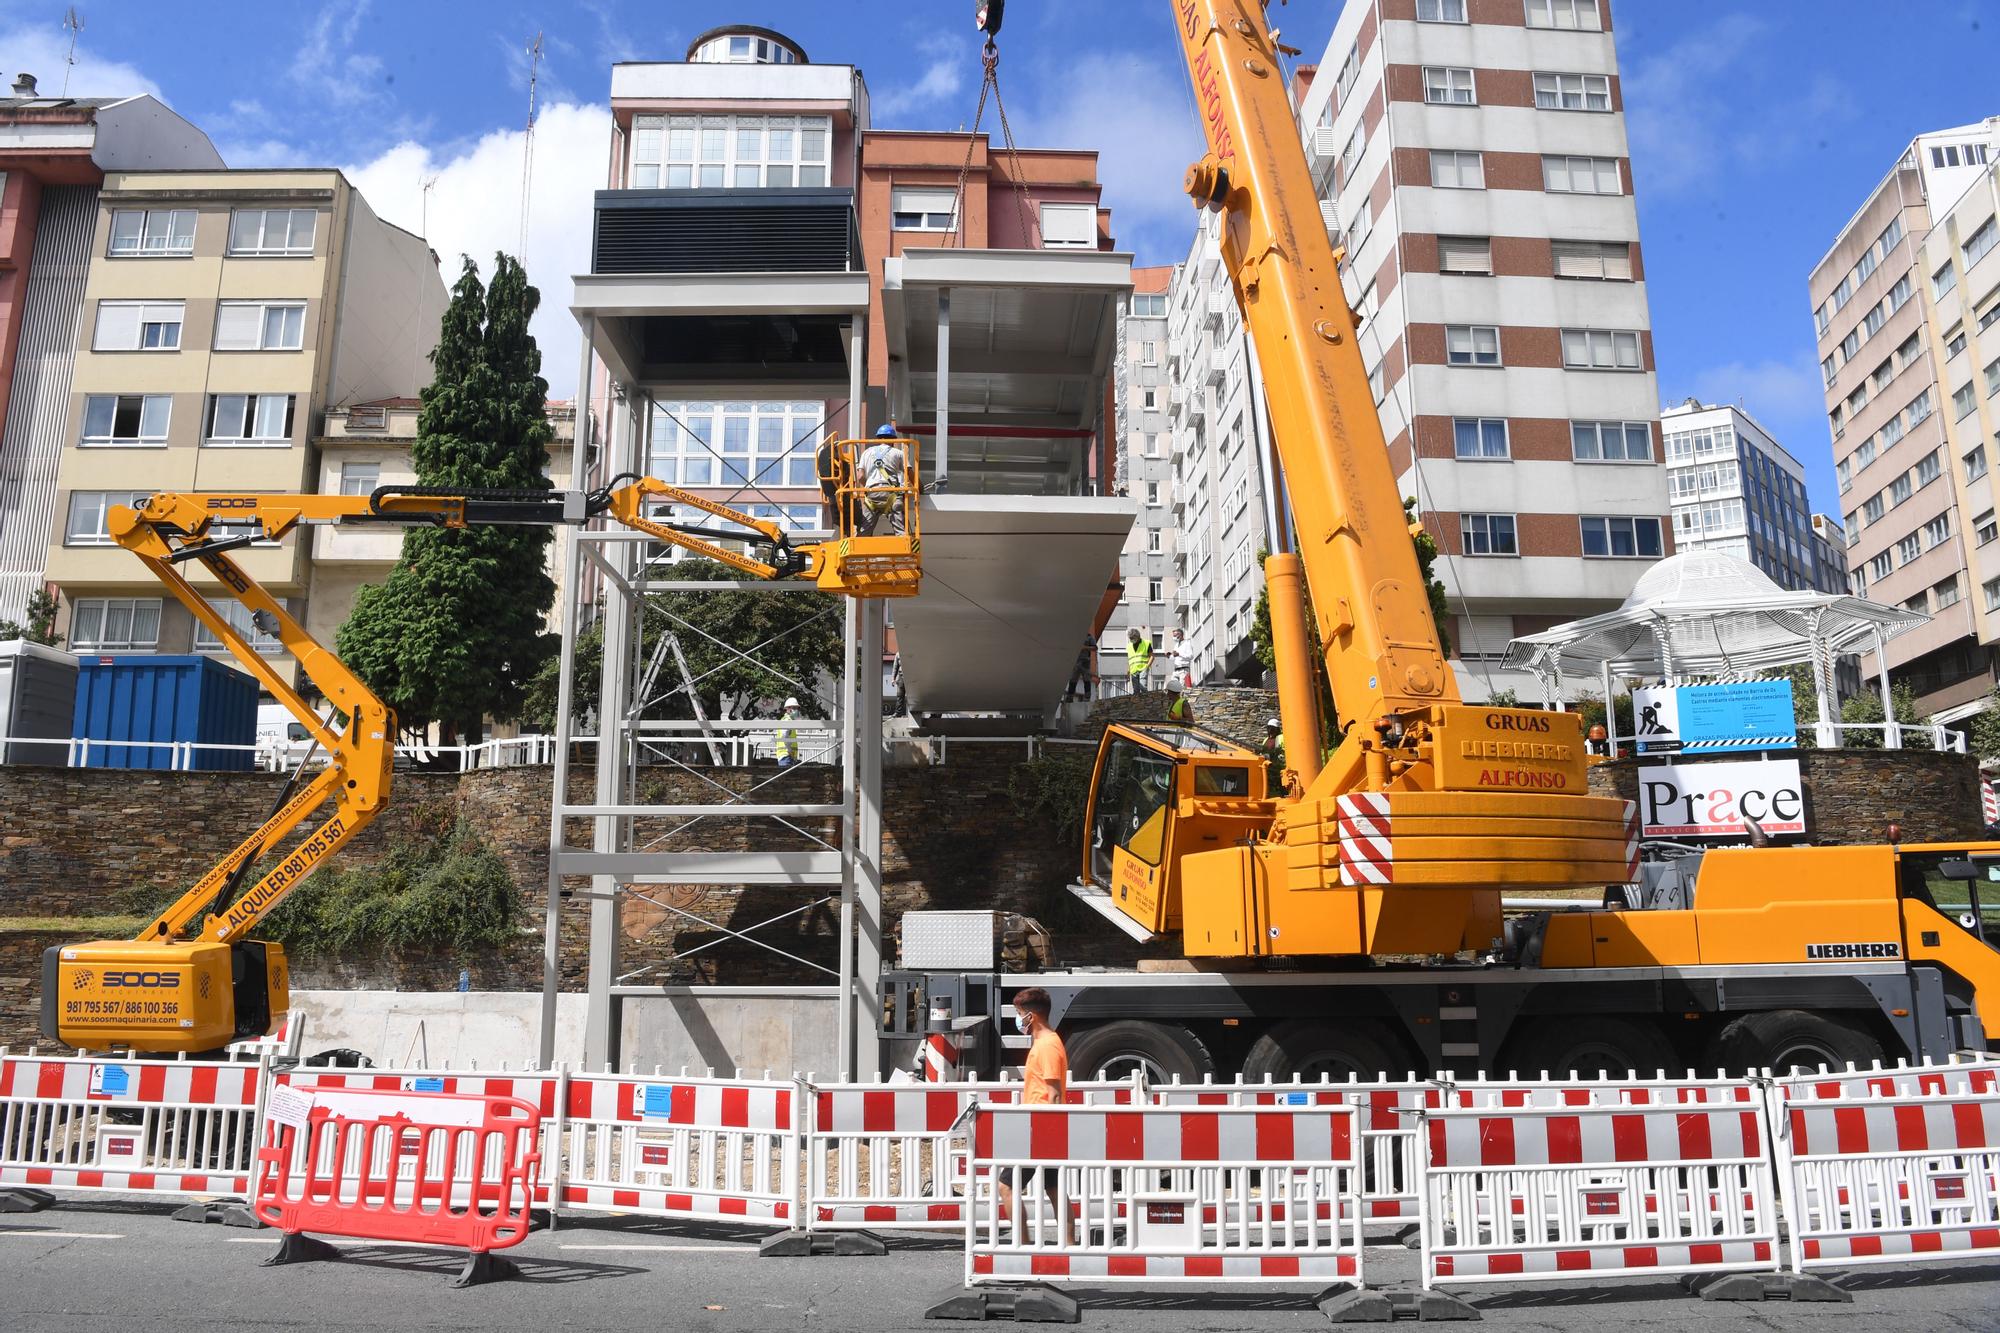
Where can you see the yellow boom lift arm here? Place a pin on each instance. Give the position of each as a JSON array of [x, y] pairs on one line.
[[192, 979]]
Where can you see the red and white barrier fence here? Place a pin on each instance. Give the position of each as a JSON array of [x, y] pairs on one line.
[[1526, 1193], [1875, 1175], [1155, 1194]]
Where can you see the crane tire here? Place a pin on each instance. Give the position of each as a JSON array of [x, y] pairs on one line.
[[1309, 1047], [1788, 1040], [1589, 1045], [1115, 1049]]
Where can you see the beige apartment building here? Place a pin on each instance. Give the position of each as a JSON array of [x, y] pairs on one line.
[[366, 445], [1887, 312], [224, 314]]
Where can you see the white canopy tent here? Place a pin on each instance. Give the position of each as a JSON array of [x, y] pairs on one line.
[[1704, 613]]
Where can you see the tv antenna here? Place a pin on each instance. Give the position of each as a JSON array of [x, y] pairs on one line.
[[528, 142], [424, 209], [73, 24]]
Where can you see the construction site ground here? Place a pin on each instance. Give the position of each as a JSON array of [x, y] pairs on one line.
[[124, 1263]]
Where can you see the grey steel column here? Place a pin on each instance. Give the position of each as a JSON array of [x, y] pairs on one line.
[[851, 638], [558, 790], [600, 1039], [868, 838], [857, 378], [1892, 734], [943, 385]]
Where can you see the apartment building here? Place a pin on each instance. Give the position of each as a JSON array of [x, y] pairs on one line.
[[1148, 566], [365, 445], [1736, 490], [1474, 156], [1829, 543], [767, 271], [224, 313], [1962, 276], [1216, 492], [1896, 339], [54, 153]]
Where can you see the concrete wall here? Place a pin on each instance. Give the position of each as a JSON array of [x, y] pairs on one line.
[[729, 1029]]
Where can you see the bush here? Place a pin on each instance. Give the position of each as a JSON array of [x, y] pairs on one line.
[[434, 890]]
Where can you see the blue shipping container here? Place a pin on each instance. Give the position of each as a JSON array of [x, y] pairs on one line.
[[160, 699]]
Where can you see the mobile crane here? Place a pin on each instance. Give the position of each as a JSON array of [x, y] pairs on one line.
[[1329, 916], [193, 980]]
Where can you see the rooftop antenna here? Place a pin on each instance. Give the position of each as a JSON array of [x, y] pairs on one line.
[[528, 140], [424, 210], [73, 24]]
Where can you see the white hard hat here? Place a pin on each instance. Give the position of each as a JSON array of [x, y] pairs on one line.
[[1174, 685], [791, 703], [1273, 724]]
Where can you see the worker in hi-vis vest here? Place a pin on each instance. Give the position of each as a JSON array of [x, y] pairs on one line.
[[788, 737], [1138, 658], [881, 469]]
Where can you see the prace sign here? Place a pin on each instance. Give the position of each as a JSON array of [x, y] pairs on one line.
[[1713, 800]]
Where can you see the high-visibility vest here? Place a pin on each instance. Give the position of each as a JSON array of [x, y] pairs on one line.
[[1138, 657], [1177, 711], [787, 745]]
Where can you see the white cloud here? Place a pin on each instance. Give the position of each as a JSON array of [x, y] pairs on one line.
[[1773, 391], [946, 60], [327, 62], [1137, 113], [42, 49], [475, 209]]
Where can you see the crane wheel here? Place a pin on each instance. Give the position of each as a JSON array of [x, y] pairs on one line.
[[1307, 1048], [1791, 1040], [1118, 1049], [1590, 1046]]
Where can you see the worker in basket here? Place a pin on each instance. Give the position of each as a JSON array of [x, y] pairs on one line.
[[881, 473]]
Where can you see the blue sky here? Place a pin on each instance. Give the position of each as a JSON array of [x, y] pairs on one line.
[[1756, 128]]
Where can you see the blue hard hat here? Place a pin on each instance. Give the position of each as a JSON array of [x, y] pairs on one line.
[[885, 431]]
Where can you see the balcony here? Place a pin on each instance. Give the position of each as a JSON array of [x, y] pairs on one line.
[[725, 231]]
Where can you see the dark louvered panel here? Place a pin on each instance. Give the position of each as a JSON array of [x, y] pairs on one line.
[[764, 231]]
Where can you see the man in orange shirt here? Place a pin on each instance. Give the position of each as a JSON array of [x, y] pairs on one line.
[[1046, 1082]]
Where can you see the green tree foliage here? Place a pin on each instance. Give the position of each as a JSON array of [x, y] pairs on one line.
[[456, 632], [800, 634], [1867, 707], [40, 626], [1593, 716], [441, 888], [1983, 730]]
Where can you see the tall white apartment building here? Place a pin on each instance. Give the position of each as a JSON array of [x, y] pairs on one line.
[[1736, 490], [1474, 156], [1217, 419], [1147, 565], [1897, 302]]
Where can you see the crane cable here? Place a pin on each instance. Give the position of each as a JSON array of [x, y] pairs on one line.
[[990, 59]]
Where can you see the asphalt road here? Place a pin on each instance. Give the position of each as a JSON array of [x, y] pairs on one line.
[[124, 1265]]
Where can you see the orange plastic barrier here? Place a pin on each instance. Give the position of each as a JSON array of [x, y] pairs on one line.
[[431, 1168]]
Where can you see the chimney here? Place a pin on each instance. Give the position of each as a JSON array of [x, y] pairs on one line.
[[24, 85]]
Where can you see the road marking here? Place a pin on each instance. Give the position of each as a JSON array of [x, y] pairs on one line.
[[672, 1249], [65, 1235]]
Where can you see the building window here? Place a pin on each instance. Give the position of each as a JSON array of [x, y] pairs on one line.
[[1929, 468], [1980, 242], [762, 443], [1985, 529], [1989, 316], [1606, 261], [1465, 254], [1149, 305], [1350, 70], [1350, 156], [1843, 472], [1564, 14], [1875, 506], [922, 210], [1154, 594], [1479, 437], [257, 419], [360, 478], [1069, 226], [1992, 590], [89, 511], [1619, 537], [1946, 593], [1921, 408], [1850, 344], [1900, 490], [729, 152], [1440, 11], [111, 624], [1152, 492], [1963, 400], [1448, 84], [237, 617], [1149, 399], [1909, 548], [1975, 463], [152, 231], [1882, 566], [1471, 345], [1581, 175], [138, 326], [1826, 368], [272, 231], [1600, 349], [1611, 441], [1487, 534], [126, 418], [1943, 280], [259, 326], [1573, 92], [1937, 531], [1453, 170], [1152, 541]]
